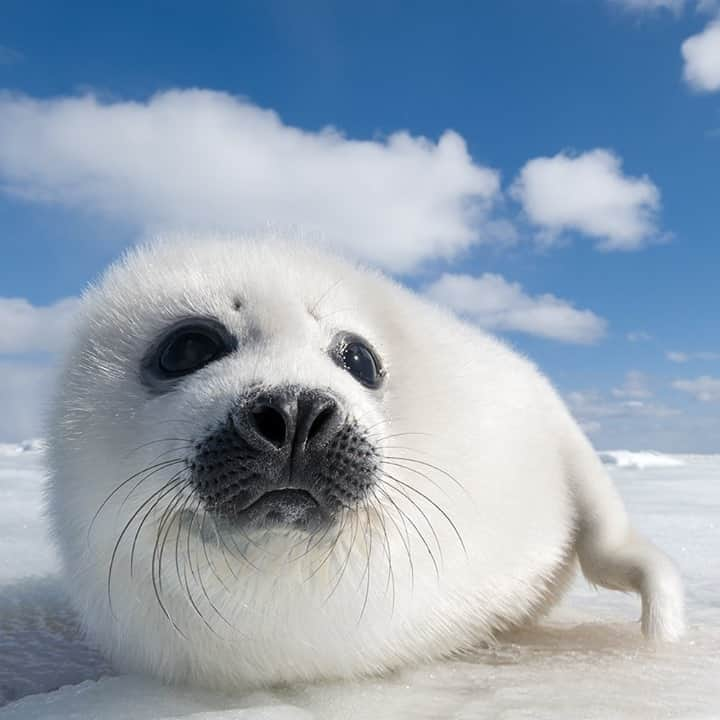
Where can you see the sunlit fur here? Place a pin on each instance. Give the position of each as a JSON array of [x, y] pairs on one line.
[[485, 495]]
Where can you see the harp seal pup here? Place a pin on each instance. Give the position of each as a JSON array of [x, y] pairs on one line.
[[270, 465]]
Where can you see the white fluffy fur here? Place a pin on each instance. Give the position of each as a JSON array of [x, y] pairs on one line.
[[530, 495]]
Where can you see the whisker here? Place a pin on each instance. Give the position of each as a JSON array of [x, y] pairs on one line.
[[308, 542], [430, 465], [312, 309], [400, 434], [403, 447], [310, 546], [181, 519], [341, 529], [199, 578], [405, 538], [237, 547], [367, 537], [416, 472], [187, 443], [390, 580], [157, 578], [220, 542], [183, 580], [142, 522], [195, 607], [164, 464], [437, 507], [169, 516], [347, 559], [420, 510], [415, 527], [144, 478], [207, 555], [162, 489]]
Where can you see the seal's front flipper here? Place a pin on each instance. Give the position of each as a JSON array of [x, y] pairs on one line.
[[614, 556]]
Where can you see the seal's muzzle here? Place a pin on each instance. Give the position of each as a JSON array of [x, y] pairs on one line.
[[284, 457]]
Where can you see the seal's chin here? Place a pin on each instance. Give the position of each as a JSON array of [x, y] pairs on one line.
[[285, 508]]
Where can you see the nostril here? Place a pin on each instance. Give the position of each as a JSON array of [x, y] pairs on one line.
[[270, 424], [321, 421]]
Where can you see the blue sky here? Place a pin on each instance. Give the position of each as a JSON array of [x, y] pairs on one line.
[[621, 112]]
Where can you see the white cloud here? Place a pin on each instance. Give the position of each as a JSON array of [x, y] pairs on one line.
[[28, 328], [643, 425], [675, 6], [701, 54], [24, 392], [626, 422], [590, 194], [196, 159], [25, 385], [708, 6], [704, 388], [494, 303], [635, 386], [591, 405], [638, 336], [683, 357]]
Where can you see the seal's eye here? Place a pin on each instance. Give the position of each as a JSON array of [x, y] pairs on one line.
[[185, 348], [189, 350], [359, 359]]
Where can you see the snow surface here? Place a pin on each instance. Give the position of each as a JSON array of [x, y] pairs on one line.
[[586, 661]]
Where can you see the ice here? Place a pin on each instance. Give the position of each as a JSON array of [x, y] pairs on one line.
[[12, 449], [639, 460], [586, 661], [40, 646], [25, 548]]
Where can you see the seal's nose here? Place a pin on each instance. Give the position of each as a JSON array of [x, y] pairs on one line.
[[294, 420]]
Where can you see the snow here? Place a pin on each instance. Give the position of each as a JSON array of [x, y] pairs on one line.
[[12, 449], [640, 460], [25, 547], [587, 660]]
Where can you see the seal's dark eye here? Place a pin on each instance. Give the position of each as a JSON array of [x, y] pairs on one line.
[[185, 348], [360, 360], [189, 350]]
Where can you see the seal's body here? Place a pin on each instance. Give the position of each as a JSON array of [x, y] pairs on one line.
[[268, 465]]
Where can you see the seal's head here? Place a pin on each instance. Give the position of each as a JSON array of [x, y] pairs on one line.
[[268, 464]]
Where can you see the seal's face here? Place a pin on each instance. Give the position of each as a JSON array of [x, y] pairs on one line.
[[251, 410], [285, 455], [263, 470]]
